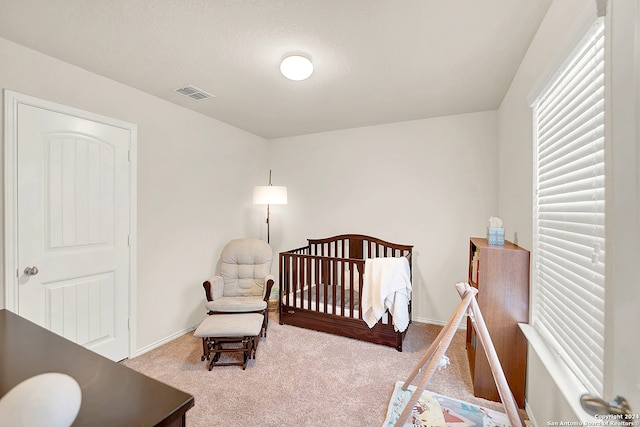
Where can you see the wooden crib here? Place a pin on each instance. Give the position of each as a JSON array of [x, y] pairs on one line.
[[321, 287]]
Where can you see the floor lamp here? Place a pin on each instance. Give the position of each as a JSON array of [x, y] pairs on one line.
[[269, 195]]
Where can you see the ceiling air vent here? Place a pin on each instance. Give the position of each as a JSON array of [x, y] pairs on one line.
[[193, 92]]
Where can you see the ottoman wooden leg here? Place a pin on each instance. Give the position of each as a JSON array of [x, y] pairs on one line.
[[254, 346], [205, 349]]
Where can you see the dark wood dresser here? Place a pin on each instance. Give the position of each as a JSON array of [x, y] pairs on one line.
[[112, 394], [501, 275]]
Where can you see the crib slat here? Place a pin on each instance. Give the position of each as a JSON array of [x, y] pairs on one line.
[[338, 291], [303, 287], [326, 284], [353, 299], [360, 286], [294, 278], [333, 284], [306, 285], [284, 279], [320, 281], [288, 278]]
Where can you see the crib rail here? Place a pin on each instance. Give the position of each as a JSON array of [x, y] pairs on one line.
[[326, 275], [324, 284], [356, 246]]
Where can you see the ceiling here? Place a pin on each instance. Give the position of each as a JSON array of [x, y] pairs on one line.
[[375, 61]]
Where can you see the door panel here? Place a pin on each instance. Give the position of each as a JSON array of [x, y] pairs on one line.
[[73, 210], [81, 309], [79, 192]]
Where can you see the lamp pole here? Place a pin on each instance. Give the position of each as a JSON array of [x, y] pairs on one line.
[[269, 195], [268, 211]]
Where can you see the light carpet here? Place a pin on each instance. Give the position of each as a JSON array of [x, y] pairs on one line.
[[305, 378]]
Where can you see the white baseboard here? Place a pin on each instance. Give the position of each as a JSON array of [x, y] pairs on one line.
[[463, 324], [163, 341]]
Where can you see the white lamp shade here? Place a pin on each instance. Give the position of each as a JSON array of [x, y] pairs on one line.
[[270, 195], [296, 67]]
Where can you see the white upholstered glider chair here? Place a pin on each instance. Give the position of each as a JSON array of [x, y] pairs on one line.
[[245, 281]]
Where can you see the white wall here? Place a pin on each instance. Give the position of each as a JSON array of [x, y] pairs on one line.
[[195, 178], [556, 34], [428, 183], [515, 117]]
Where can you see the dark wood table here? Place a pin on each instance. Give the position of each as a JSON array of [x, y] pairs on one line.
[[112, 394]]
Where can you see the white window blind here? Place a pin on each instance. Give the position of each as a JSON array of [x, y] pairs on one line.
[[569, 235]]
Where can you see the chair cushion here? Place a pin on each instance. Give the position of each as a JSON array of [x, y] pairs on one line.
[[230, 325], [244, 263], [236, 304]]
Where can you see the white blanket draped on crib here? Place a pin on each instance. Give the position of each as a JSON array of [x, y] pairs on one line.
[[386, 286]]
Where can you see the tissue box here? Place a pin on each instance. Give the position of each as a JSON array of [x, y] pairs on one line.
[[496, 236]]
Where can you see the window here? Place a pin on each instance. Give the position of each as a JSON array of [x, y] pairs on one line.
[[569, 233]]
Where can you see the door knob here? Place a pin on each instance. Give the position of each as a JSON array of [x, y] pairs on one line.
[[31, 270], [594, 405]]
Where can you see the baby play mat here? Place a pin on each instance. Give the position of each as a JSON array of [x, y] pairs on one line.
[[434, 410]]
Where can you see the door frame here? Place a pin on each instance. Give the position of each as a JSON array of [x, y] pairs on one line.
[[622, 371], [11, 268]]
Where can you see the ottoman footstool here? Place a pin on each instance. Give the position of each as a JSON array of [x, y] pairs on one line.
[[219, 329]]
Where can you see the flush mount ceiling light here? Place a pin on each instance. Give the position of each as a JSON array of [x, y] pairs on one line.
[[296, 67]]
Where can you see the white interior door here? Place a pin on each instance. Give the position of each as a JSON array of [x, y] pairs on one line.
[[73, 196]]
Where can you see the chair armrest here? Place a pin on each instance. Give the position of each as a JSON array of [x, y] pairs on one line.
[[214, 288], [268, 282]]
